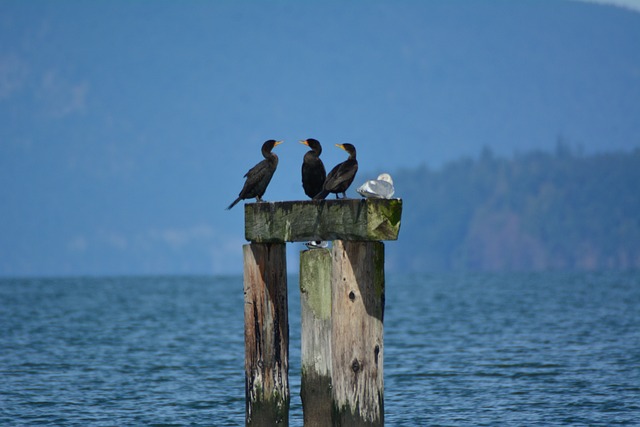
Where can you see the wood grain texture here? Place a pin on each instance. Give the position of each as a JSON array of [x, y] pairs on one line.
[[315, 313], [343, 219], [357, 314], [266, 334]]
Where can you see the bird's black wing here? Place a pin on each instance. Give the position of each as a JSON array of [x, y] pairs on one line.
[[344, 172], [257, 173], [258, 178], [256, 169]]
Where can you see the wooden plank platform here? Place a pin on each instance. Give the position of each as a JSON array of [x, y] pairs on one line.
[[341, 219]]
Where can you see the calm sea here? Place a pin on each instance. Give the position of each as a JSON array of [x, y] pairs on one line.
[[460, 350]]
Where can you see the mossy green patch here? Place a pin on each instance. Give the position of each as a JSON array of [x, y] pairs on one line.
[[315, 281]]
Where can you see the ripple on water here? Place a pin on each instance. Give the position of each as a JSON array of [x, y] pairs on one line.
[[546, 349]]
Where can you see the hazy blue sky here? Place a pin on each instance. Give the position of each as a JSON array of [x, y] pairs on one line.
[[126, 127]]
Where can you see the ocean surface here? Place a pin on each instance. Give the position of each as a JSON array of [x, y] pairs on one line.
[[460, 350]]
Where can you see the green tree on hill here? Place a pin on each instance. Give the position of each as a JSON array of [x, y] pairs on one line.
[[537, 211]]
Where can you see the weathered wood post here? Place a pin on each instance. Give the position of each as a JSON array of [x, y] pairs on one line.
[[342, 354], [357, 311], [315, 314], [266, 335]]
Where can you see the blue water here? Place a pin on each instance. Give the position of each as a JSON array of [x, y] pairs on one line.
[[503, 350]]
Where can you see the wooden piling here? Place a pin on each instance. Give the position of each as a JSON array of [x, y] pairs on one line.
[[266, 335], [343, 219], [342, 296], [357, 314], [315, 312]]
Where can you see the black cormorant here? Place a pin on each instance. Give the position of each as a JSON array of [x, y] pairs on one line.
[[313, 172], [259, 176], [341, 176]]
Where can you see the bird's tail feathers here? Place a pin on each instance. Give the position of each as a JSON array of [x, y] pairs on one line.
[[321, 195], [234, 203]]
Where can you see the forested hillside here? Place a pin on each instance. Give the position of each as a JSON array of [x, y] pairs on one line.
[[536, 211]]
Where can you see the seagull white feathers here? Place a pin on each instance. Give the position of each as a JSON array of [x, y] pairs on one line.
[[381, 188]]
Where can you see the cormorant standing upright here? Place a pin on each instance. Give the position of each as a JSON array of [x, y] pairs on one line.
[[313, 172], [341, 176], [260, 175]]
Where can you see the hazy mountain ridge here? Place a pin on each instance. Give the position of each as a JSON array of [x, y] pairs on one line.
[[127, 129], [536, 211]]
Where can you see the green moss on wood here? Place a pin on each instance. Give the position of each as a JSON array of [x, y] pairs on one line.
[[267, 410], [315, 393], [344, 415], [315, 281], [344, 219]]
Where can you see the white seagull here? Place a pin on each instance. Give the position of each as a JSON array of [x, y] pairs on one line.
[[317, 244], [381, 188]]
